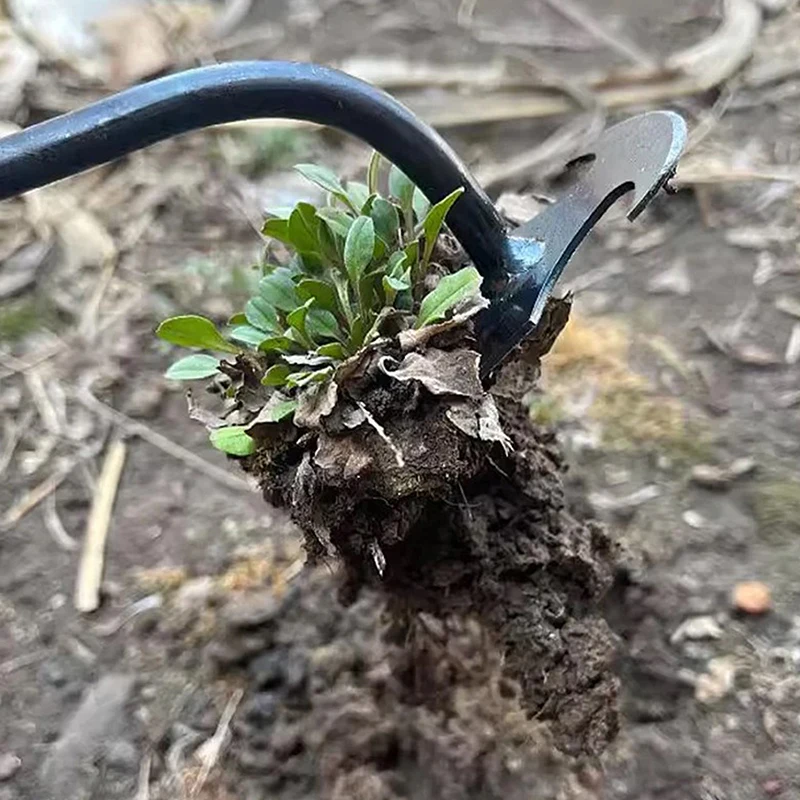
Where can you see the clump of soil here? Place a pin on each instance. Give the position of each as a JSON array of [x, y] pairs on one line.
[[356, 702], [446, 498]]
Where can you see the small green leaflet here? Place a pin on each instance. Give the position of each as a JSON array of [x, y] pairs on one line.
[[421, 204], [297, 318], [358, 248], [233, 440], [281, 410], [247, 334], [373, 172], [449, 292], [332, 350], [300, 379], [321, 324], [358, 194], [303, 228], [337, 220], [278, 290], [323, 293], [193, 368], [276, 375], [194, 331], [391, 286], [324, 178], [432, 224], [401, 188], [277, 229], [279, 344], [387, 222], [260, 314]]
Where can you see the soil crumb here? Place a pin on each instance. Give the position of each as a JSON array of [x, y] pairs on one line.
[[352, 701]]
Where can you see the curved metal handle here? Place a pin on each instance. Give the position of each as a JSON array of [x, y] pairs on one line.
[[151, 112]]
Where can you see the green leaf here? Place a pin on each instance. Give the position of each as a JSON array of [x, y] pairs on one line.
[[277, 344], [373, 172], [412, 253], [324, 178], [434, 221], [282, 212], [358, 194], [194, 331], [303, 228], [337, 220], [359, 248], [421, 204], [322, 292], [396, 266], [260, 314], [277, 229], [276, 375], [238, 319], [233, 440], [278, 290], [247, 334], [449, 292], [401, 188], [192, 368], [358, 330], [366, 288], [387, 222], [304, 378], [297, 318], [333, 350], [321, 324], [281, 410], [391, 286], [329, 244]]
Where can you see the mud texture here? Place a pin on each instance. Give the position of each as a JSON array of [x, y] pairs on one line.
[[354, 702], [448, 523]]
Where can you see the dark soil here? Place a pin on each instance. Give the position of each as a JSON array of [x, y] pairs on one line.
[[467, 528], [351, 702]]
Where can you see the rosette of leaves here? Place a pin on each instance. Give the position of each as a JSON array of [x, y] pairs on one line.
[[361, 270]]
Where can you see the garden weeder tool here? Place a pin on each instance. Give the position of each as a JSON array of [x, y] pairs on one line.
[[520, 267]]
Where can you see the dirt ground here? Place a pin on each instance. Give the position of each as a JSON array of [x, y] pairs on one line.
[[674, 393]]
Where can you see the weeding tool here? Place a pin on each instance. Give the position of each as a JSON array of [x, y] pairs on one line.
[[520, 267]]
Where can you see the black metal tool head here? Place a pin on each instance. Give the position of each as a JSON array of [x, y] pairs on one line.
[[638, 155]]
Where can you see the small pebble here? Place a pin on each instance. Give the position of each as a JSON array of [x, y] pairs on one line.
[[9, 765], [697, 628], [53, 673], [710, 477], [773, 787], [251, 611], [122, 755], [752, 597], [694, 519]]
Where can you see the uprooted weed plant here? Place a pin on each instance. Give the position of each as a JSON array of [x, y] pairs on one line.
[[356, 272]]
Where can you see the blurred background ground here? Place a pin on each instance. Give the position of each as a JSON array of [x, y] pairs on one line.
[[675, 388]]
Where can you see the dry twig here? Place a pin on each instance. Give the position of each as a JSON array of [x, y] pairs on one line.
[[209, 752], [571, 10], [57, 530], [133, 428], [31, 499], [90, 570]]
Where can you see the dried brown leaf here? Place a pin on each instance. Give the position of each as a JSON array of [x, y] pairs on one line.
[[315, 403], [480, 420], [441, 372], [344, 456], [415, 339]]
